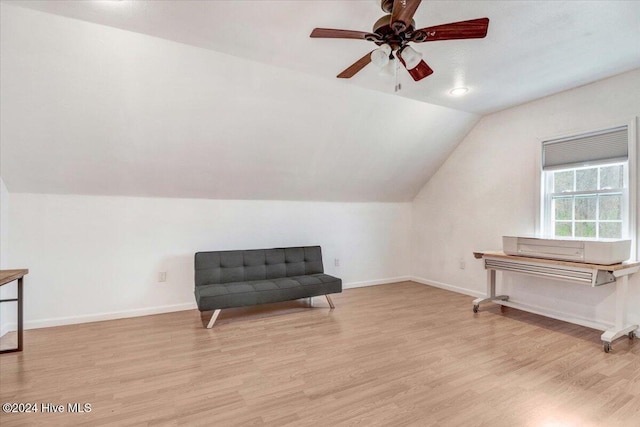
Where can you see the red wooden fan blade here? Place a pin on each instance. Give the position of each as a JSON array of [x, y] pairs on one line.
[[329, 33], [402, 14], [355, 67], [420, 71], [472, 29]]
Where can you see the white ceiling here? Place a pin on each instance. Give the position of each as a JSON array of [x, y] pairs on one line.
[[233, 100], [533, 48]]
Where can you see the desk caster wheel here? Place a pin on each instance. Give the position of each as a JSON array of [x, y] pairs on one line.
[[606, 346], [476, 308], [632, 335]]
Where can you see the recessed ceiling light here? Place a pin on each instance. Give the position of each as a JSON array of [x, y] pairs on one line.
[[458, 91]]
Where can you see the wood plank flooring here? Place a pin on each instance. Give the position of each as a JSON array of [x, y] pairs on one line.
[[400, 354]]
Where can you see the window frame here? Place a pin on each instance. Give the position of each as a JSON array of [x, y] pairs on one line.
[[549, 221], [543, 220]]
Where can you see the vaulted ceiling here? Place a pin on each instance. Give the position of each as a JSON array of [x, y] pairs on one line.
[[228, 99], [532, 49]]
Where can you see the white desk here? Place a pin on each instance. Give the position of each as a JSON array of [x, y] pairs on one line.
[[588, 274]]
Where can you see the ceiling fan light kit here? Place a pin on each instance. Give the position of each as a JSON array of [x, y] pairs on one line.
[[389, 70], [380, 56], [410, 57], [394, 32]]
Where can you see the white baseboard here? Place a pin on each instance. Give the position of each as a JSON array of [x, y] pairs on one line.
[[5, 329], [542, 311], [558, 315], [446, 286], [375, 282], [60, 321], [72, 320]]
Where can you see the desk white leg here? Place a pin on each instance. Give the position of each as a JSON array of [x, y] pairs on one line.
[[621, 328], [622, 290], [491, 291], [491, 283]]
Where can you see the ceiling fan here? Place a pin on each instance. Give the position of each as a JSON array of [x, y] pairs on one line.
[[393, 33]]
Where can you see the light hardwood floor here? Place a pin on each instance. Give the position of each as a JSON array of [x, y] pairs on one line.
[[400, 354]]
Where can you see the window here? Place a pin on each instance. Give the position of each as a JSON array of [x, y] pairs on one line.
[[587, 201], [586, 183]]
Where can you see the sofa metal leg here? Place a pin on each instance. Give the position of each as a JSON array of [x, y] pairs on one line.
[[330, 302], [214, 316], [310, 301]]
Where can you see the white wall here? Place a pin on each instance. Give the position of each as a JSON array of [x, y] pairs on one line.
[[488, 187], [7, 310], [98, 257], [4, 224]]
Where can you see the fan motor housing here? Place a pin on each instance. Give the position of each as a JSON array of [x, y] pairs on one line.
[[386, 5], [382, 28]]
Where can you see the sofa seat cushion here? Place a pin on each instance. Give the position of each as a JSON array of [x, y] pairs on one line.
[[240, 294]]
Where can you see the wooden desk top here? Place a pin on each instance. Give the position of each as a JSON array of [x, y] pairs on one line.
[[7, 276], [612, 267]]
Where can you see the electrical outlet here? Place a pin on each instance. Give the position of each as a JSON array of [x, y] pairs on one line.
[[162, 277], [336, 262], [462, 264]]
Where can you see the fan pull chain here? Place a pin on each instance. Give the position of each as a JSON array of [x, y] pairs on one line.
[[397, 76]]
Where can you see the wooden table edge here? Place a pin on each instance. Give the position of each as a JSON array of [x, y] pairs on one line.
[[7, 276]]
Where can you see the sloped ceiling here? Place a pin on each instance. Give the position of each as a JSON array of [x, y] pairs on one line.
[[90, 109], [532, 49], [232, 99]]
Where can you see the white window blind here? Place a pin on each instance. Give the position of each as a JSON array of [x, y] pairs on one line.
[[600, 147]]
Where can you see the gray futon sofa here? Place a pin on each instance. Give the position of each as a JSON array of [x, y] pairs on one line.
[[225, 279]]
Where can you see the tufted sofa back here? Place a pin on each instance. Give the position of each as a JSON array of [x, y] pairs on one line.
[[256, 264]]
